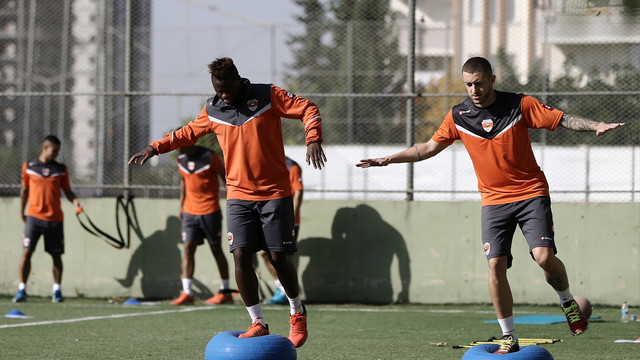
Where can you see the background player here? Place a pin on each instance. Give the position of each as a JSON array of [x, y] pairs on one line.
[[201, 217], [42, 179], [295, 177]]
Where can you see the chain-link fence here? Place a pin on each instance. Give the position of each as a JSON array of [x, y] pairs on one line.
[[107, 77]]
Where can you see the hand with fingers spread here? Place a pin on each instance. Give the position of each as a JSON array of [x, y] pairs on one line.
[[146, 154]]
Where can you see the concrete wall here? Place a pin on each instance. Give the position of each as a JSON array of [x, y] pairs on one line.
[[349, 251]]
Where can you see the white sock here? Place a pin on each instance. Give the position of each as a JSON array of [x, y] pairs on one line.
[[22, 286], [564, 296], [507, 327], [224, 284], [186, 286], [255, 312], [56, 287], [295, 305], [279, 285]]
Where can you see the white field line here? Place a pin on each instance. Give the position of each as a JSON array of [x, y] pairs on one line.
[[115, 316], [321, 309]]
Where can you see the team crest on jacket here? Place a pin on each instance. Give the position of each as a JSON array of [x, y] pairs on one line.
[[191, 165], [487, 125], [46, 172], [252, 104]]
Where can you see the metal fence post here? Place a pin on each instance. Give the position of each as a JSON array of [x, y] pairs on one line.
[[411, 90]]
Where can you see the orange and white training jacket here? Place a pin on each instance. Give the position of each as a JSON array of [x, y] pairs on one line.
[[250, 136]]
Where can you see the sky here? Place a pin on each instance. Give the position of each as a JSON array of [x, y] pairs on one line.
[[188, 34]]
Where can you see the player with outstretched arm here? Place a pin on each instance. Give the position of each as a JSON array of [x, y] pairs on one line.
[[246, 119], [494, 127]]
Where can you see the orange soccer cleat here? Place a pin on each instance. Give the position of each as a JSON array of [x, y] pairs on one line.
[[183, 299], [256, 329], [298, 328]]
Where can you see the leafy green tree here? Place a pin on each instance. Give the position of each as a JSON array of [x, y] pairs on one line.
[[349, 47]]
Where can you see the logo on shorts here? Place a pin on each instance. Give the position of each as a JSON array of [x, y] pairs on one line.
[[252, 104], [543, 238], [293, 232], [487, 248], [487, 125], [184, 236], [25, 241], [230, 238]]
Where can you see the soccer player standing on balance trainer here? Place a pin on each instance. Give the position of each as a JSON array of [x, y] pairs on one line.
[[494, 127], [246, 119]]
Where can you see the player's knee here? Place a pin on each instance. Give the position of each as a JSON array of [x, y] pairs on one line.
[[279, 259], [544, 257]]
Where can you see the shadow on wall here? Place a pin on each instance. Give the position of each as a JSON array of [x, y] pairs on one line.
[[355, 264], [158, 260]]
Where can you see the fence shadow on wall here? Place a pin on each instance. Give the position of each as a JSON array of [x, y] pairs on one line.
[[355, 264]]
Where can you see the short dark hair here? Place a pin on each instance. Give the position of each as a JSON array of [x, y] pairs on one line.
[[52, 139], [223, 69], [477, 64]]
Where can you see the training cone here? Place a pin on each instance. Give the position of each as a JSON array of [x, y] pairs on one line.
[[228, 346], [132, 301], [17, 314]]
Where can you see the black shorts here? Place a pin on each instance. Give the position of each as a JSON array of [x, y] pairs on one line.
[[261, 225], [53, 232], [198, 227], [499, 224]]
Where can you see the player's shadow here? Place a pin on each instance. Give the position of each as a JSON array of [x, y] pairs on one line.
[[158, 261], [355, 264]]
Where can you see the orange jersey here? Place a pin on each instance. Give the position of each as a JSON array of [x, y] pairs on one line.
[[201, 186], [44, 181], [295, 178], [250, 137], [497, 140]]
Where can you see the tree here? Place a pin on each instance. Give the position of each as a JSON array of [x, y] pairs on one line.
[[348, 47]]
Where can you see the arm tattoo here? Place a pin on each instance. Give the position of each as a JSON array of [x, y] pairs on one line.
[[578, 123]]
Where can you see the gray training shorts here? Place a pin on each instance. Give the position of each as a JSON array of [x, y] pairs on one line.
[[53, 232], [261, 225], [499, 224], [197, 227]]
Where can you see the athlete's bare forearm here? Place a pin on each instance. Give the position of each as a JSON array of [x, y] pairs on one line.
[[579, 123]]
